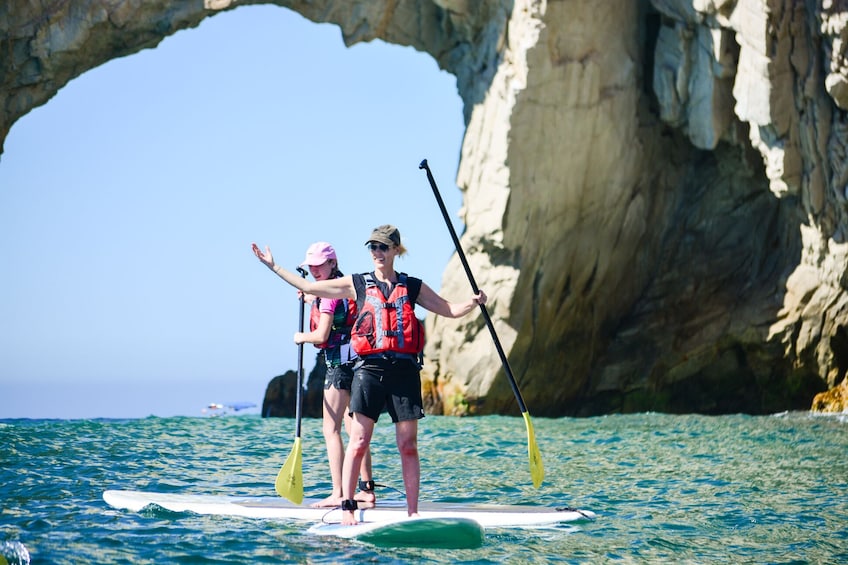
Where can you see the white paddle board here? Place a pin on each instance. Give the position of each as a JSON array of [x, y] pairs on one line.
[[487, 515]]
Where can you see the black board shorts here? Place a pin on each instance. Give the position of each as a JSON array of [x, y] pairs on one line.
[[390, 384], [339, 377]]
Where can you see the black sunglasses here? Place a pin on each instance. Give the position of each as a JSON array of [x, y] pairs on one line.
[[381, 246]]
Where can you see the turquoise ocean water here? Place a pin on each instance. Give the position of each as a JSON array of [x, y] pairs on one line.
[[667, 489]]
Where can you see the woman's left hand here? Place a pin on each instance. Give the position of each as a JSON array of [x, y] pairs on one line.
[[265, 257]]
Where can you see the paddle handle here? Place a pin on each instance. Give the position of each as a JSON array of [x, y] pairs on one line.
[[476, 290]]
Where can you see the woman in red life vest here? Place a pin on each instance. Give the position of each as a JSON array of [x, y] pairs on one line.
[[330, 324], [387, 341]]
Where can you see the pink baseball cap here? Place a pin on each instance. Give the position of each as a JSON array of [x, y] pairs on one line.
[[318, 254]]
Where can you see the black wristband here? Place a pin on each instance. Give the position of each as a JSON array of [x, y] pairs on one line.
[[349, 505]]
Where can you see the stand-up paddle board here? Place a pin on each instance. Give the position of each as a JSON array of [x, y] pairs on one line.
[[487, 515], [436, 533]]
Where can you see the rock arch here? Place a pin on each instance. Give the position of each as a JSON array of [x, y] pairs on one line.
[[654, 191]]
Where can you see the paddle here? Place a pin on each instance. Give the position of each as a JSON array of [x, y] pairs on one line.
[[289, 483], [537, 471]]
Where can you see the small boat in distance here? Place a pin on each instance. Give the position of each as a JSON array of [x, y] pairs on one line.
[[215, 409]]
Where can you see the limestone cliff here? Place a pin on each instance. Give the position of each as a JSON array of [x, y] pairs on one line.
[[654, 191]]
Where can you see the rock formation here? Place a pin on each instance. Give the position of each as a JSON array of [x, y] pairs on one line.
[[654, 191], [281, 394]]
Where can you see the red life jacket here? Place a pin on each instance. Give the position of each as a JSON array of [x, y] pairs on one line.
[[387, 324], [344, 317]]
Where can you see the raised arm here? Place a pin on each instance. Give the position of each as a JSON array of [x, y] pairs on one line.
[[428, 298], [331, 288]]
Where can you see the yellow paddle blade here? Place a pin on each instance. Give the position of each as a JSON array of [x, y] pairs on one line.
[[289, 483], [537, 470]]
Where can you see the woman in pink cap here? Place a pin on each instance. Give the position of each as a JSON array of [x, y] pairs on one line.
[[388, 338]]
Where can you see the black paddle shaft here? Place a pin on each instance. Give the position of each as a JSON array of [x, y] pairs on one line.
[[299, 401], [476, 290]]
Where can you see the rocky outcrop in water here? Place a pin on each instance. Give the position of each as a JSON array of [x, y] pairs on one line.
[[834, 400], [654, 191], [280, 399]]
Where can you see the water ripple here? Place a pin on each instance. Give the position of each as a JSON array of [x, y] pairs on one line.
[[682, 489]]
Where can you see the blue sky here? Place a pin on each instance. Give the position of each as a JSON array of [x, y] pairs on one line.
[[129, 201]]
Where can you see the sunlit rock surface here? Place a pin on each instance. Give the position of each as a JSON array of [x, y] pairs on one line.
[[654, 192]]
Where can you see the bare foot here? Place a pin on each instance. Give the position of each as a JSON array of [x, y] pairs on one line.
[[330, 502], [366, 496]]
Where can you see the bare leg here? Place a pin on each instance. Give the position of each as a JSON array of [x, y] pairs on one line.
[[335, 406], [365, 472], [361, 429], [406, 434]]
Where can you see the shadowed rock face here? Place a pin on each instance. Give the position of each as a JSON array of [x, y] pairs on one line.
[[280, 400], [654, 192]]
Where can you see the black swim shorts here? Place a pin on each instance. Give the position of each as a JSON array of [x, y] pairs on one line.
[[339, 377], [390, 384]]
